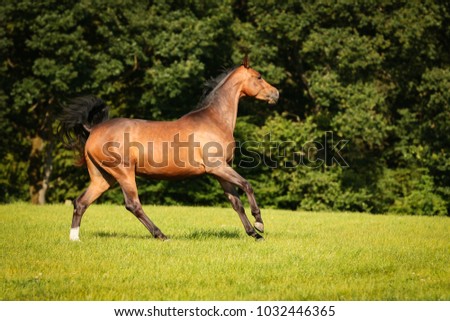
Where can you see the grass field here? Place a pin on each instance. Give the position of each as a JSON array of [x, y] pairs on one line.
[[306, 256]]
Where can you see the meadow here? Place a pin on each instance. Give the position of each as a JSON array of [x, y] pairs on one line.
[[306, 256]]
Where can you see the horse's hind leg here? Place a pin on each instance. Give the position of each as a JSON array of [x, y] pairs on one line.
[[100, 182], [133, 204]]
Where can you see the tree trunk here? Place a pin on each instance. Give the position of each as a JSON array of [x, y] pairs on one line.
[[39, 170]]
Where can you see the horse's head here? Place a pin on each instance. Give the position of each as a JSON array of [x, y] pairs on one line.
[[255, 86]]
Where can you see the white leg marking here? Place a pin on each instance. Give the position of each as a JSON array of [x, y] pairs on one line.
[[74, 234]]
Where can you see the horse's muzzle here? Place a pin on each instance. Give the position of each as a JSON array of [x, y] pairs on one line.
[[273, 96]]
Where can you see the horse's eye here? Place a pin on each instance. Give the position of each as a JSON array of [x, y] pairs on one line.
[[259, 77]]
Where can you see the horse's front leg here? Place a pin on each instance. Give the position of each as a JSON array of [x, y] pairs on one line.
[[229, 178]]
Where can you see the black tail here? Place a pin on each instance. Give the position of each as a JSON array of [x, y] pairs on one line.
[[77, 119]]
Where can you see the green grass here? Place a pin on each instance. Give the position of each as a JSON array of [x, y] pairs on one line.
[[306, 256]]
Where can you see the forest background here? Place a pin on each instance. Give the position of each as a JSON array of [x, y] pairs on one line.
[[362, 123]]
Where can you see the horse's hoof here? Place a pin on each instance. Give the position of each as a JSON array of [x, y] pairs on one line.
[[260, 239], [74, 238], [259, 227], [162, 238]]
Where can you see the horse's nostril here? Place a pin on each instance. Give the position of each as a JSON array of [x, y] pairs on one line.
[[274, 96]]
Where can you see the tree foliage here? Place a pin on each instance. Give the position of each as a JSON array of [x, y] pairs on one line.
[[373, 74]]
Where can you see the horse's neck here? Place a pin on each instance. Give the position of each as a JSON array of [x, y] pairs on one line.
[[225, 105]]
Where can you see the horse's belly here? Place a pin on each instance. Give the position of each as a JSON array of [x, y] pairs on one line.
[[172, 170]]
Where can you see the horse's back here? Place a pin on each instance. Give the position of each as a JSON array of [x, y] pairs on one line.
[[120, 129]]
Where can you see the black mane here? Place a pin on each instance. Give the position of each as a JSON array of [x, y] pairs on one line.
[[211, 87]]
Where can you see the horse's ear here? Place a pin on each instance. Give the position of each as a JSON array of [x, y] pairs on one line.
[[245, 62]]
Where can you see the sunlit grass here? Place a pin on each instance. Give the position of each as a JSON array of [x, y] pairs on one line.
[[306, 256]]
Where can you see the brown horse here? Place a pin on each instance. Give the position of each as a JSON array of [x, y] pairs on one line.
[[200, 142]]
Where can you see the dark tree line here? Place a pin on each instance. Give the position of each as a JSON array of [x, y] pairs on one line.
[[373, 76]]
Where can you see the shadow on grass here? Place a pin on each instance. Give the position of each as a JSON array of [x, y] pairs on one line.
[[121, 235], [194, 235], [211, 234]]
